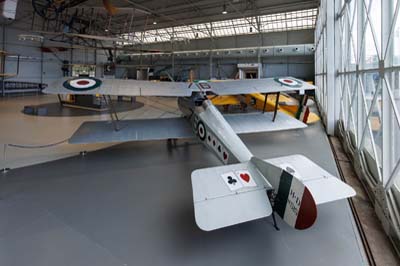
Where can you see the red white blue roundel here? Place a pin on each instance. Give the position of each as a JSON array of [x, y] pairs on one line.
[[82, 84], [290, 82]]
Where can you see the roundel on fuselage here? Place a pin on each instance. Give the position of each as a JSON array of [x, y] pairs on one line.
[[201, 130]]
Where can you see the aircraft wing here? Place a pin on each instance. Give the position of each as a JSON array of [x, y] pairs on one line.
[[219, 203], [131, 87], [247, 86], [132, 130], [262, 122], [122, 87]]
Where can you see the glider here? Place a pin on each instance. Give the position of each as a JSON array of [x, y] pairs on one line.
[[246, 187]]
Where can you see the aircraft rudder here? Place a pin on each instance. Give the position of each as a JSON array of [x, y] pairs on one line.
[[291, 199]]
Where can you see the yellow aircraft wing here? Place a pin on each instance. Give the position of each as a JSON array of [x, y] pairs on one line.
[[286, 105], [224, 100]]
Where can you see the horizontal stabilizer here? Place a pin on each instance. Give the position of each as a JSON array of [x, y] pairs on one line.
[[262, 122], [229, 195], [132, 130]]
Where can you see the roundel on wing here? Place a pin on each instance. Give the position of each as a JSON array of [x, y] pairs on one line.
[[289, 82], [201, 130], [82, 84]]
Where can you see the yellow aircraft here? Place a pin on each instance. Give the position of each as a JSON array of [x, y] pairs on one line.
[[286, 104]]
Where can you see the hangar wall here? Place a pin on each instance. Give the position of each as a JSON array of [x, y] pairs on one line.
[[37, 66], [299, 66]]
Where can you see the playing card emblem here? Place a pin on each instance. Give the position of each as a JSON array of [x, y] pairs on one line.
[[246, 178], [231, 181]]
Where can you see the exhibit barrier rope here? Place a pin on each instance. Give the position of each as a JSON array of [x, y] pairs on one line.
[[20, 146], [36, 146]]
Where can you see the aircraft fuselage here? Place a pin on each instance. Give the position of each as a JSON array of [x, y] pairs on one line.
[[213, 130]]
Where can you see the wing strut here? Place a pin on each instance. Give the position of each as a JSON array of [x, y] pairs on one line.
[[265, 102], [276, 104], [113, 113]]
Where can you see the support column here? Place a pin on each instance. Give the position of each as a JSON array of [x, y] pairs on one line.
[[338, 48], [330, 68], [388, 119]]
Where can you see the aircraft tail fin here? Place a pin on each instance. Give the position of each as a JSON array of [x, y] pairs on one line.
[[300, 185]]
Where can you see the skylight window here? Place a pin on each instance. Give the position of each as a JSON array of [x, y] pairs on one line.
[[294, 20]]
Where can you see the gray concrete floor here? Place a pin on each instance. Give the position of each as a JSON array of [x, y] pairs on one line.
[[131, 204], [27, 130]]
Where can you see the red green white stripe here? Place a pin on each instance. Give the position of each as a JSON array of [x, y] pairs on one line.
[[294, 202]]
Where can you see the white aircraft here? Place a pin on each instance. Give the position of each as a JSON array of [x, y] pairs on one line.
[[246, 187]]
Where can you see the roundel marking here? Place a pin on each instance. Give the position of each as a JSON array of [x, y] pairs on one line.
[[82, 84], [201, 130], [289, 82]]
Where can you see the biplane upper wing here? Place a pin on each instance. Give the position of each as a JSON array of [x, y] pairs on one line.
[[121, 87], [131, 87], [247, 86]]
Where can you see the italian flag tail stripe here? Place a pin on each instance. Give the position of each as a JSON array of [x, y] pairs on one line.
[[294, 202], [302, 108], [285, 183], [304, 115], [307, 212]]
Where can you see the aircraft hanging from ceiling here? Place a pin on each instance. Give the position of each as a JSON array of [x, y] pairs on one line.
[[246, 187], [66, 36], [51, 9]]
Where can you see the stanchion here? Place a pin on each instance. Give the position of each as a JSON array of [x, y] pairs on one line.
[[5, 169]]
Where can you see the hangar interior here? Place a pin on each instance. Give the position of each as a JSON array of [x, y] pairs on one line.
[[71, 195]]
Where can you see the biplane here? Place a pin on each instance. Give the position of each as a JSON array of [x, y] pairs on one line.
[[245, 188], [297, 108]]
